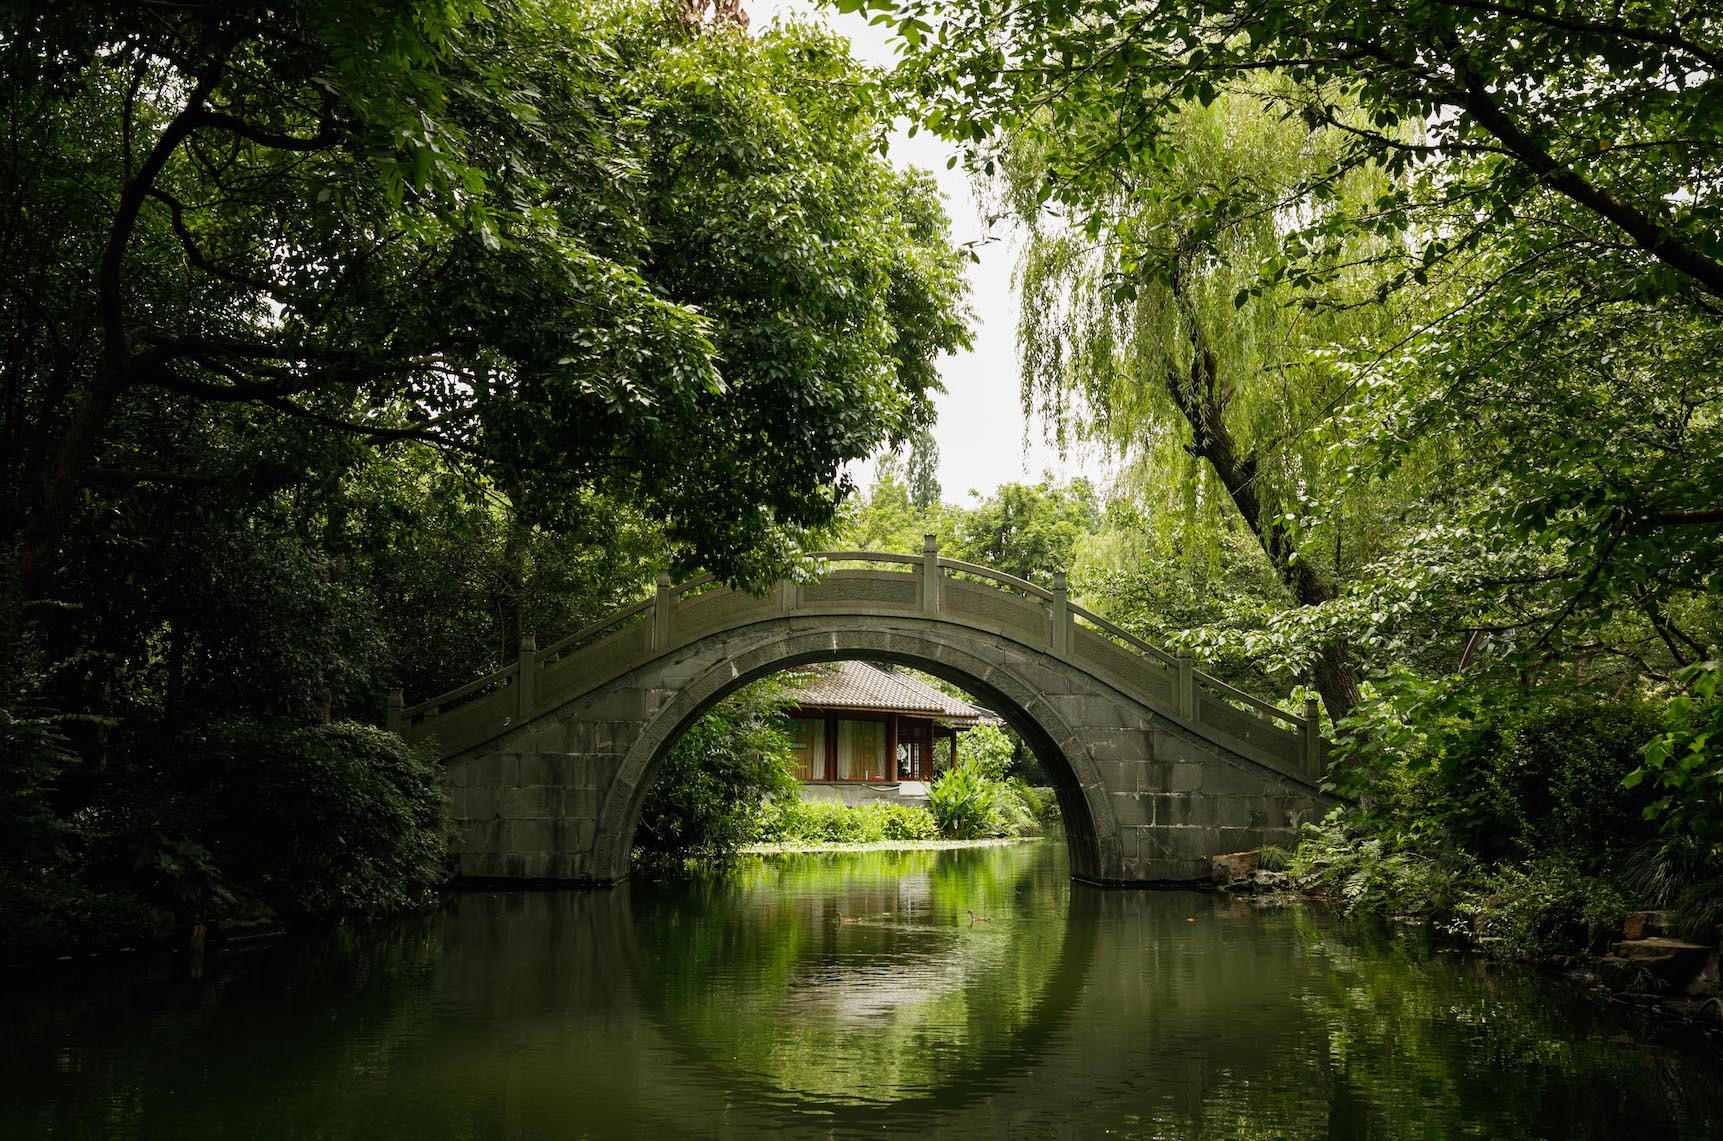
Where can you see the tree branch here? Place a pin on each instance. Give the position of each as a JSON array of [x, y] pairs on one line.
[[375, 433], [1648, 234], [326, 133], [1591, 27], [126, 217], [1686, 518], [176, 210]]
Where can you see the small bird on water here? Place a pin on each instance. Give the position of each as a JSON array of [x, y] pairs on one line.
[[842, 918], [974, 918]]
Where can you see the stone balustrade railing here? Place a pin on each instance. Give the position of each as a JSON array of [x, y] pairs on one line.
[[925, 586]]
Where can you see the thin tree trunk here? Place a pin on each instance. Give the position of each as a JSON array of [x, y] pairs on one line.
[[1202, 400]]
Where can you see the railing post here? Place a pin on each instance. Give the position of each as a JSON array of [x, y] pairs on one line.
[[526, 679], [1059, 615], [1312, 738], [397, 707], [1187, 694], [662, 605], [789, 596], [930, 574]]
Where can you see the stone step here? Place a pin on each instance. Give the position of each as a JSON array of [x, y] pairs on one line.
[[1234, 866], [1659, 947], [1643, 924], [1672, 965]]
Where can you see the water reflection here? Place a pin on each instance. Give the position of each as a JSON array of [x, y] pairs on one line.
[[740, 1005], [853, 985]]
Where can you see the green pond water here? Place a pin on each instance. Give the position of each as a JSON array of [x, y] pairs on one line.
[[748, 1004]]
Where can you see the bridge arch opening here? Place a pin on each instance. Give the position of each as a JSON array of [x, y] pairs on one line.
[[1088, 819]]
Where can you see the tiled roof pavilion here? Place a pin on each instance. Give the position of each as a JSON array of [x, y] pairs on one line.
[[857, 685]]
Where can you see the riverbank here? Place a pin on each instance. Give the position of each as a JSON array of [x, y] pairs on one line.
[[1636, 958], [788, 849]]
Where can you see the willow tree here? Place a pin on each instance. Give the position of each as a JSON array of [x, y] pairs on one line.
[[1555, 180], [1154, 337]]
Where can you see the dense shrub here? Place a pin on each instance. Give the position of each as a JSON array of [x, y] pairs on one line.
[[791, 820], [1500, 781], [226, 819], [984, 795], [1683, 765], [1544, 907], [966, 804], [320, 819], [903, 821], [50, 910], [1558, 778], [986, 750], [1045, 802], [1373, 874], [720, 776]]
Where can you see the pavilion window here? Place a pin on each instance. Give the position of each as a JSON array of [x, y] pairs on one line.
[[861, 750], [808, 747], [914, 749]]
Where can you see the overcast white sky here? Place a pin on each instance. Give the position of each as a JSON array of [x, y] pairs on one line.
[[981, 425]]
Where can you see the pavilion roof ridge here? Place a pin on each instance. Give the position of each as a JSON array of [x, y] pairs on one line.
[[861, 685]]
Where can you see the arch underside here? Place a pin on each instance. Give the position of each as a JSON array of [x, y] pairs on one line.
[[1144, 799]]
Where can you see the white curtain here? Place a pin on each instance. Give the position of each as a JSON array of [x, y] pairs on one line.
[[861, 750]]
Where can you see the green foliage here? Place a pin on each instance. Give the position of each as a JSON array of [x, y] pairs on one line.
[[1508, 824], [1373, 875], [1547, 907], [36, 752], [1556, 775], [969, 803], [585, 251], [924, 470], [965, 803], [52, 912], [1698, 911], [722, 778], [1021, 809], [1445, 322], [1271, 858], [1044, 804], [987, 750], [789, 819], [1027, 530], [1683, 765], [903, 822], [1503, 772], [229, 819], [319, 820], [364, 341]]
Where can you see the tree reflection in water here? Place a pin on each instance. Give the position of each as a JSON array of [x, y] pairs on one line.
[[737, 1005]]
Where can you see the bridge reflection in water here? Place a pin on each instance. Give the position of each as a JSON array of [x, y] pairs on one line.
[[736, 1007]]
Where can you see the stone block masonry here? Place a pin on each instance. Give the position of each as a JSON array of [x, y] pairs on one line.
[[1150, 795]]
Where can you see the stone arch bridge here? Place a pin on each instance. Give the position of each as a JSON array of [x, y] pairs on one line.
[[1157, 765]]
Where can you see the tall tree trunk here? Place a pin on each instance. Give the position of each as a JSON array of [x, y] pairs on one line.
[[1202, 398]]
